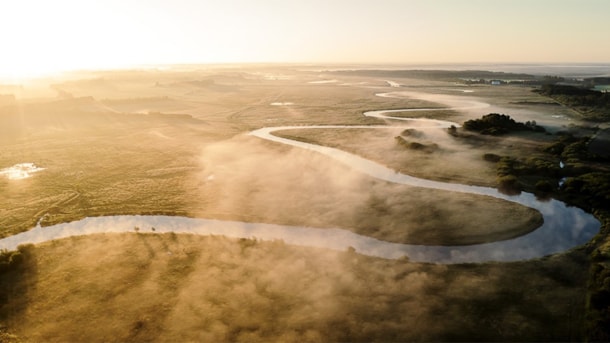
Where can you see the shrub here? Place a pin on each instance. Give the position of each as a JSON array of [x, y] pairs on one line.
[[411, 133], [498, 124], [452, 130], [508, 180], [415, 146], [544, 186], [508, 184], [11, 260], [491, 157]]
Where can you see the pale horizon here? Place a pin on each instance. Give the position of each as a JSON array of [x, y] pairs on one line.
[[47, 37]]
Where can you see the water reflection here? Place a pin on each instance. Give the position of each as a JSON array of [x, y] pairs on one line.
[[563, 228], [20, 171]]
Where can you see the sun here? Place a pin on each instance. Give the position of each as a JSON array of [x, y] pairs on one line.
[[23, 71], [42, 38], [32, 55]]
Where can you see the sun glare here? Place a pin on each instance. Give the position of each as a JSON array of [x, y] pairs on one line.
[[46, 38], [24, 71], [42, 38], [20, 171]]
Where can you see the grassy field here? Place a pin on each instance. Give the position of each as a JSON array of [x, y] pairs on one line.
[[174, 142], [98, 164], [147, 287], [125, 155]]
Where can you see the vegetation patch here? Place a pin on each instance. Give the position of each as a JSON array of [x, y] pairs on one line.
[[18, 277], [447, 75], [411, 145], [564, 169], [101, 159], [570, 169], [589, 104], [499, 124], [179, 288], [412, 133], [440, 113]]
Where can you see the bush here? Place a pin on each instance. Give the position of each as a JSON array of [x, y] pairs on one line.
[[412, 133], [509, 184], [415, 145], [491, 157], [11, 260], [591, 188], [544, 186], [506, 166], [508, 180], [498, 124], [452, 130]]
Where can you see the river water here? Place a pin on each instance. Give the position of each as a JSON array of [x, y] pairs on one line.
[[564, 227]]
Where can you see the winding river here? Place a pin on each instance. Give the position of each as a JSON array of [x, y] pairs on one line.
[[564, 227]]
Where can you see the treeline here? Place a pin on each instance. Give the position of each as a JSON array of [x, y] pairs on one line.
[[568, 170], [437, 74], [586, 184], [592, 105], [581, 179], [499, 124], [573, 150], [565, 90], [535, 174]]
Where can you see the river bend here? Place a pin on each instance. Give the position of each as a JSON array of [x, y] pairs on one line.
[[563, 228]]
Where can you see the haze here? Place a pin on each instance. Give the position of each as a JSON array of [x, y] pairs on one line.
[[304, 171], [42, 37]]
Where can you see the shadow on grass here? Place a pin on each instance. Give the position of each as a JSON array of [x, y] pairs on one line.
[[18, 279], [541, 300]]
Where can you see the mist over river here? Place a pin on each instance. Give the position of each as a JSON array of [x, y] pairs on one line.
[[563, 228]]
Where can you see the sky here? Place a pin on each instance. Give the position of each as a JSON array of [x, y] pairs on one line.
[[42, 36]]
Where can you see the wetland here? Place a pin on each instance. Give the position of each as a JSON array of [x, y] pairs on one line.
[[275, 203]]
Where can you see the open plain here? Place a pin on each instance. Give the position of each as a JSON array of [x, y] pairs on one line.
[[176, 143]]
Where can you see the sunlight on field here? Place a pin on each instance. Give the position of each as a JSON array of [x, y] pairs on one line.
[[176, 143], [20, 171]]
